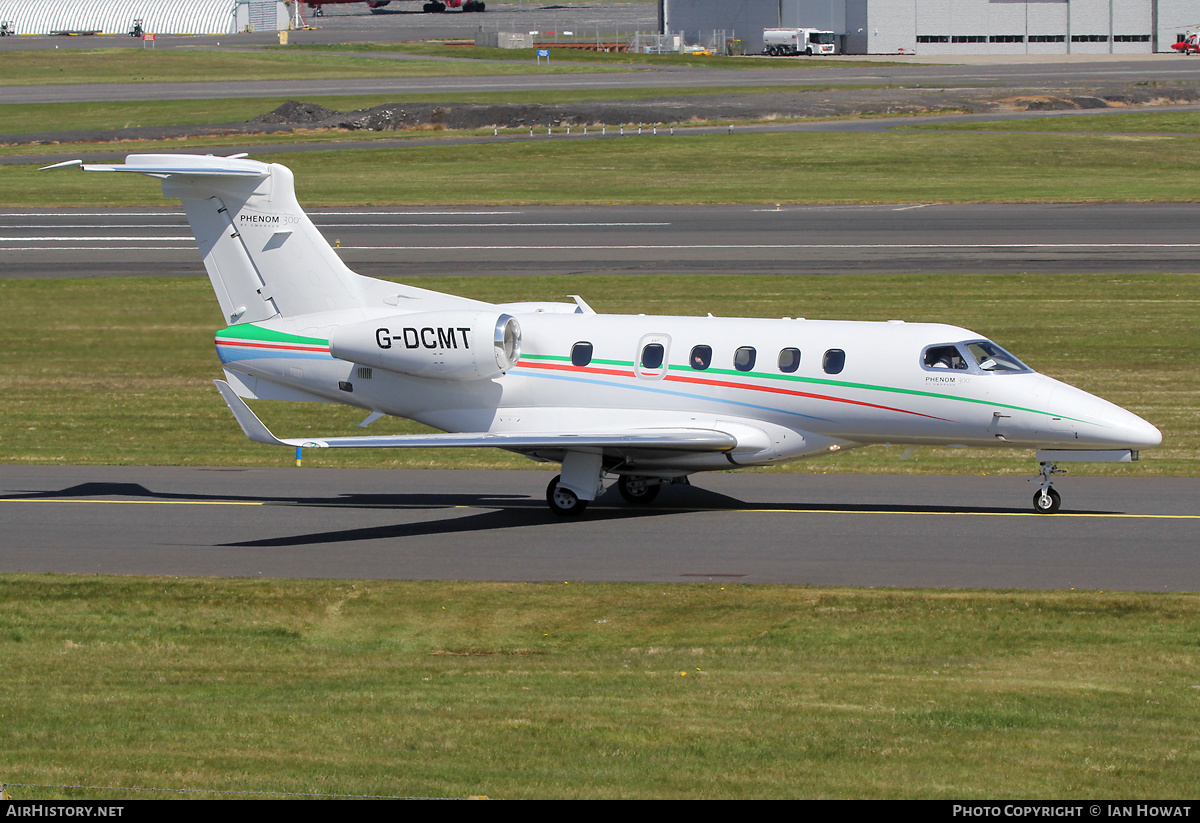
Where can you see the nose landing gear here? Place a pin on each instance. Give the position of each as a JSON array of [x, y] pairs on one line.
[[1046, 500]]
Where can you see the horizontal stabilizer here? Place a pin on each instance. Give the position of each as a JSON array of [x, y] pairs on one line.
[[165, 165], [676, 439]]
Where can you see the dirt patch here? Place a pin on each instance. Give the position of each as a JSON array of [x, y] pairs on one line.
[[830, 102], [668, 109]]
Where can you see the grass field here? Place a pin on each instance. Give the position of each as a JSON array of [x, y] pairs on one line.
[[120, 372], [593, 691], [737, 168], [120, 65], [1133, 122]]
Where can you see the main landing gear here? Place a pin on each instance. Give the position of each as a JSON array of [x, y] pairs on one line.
[[562, 500], [636, 490], [1046, 500]]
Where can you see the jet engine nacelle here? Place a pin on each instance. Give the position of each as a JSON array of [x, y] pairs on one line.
[[446, 345]]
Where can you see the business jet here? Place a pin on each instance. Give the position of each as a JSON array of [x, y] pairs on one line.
[[646, 400]]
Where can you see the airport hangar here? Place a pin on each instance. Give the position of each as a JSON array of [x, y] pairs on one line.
[[156, 17], [953, 27]]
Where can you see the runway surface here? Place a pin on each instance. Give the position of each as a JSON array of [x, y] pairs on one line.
[[1132, 533], [402, 242]]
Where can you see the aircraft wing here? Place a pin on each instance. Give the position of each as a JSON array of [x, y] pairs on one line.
[[672, 439]]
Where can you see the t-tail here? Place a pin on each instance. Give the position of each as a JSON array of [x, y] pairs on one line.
[[264, 256]]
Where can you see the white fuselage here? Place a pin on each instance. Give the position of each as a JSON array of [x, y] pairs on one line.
[[883, 392]]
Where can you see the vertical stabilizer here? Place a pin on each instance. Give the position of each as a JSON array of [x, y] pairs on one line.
[[265, 258]]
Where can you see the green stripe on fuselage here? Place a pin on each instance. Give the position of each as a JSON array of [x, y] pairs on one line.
[[842, 384], [249, 331], [818, 381]]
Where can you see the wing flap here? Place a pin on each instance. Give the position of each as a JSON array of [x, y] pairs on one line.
[[669, 439]]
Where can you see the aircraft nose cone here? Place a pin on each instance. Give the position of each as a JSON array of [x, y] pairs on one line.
[[1104, 424], [1125, 429], [1145, 435]]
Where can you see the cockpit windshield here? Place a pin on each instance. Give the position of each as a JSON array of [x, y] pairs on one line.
[[973, 356], [990, 357]]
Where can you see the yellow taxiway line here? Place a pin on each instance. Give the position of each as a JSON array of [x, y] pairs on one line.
[[1058, 515]]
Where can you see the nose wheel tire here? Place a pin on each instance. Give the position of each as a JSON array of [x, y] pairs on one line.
[[563, 501], [1046, 502]]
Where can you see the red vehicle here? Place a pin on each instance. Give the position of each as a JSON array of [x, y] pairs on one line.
[[1190, 44], [432, 7]]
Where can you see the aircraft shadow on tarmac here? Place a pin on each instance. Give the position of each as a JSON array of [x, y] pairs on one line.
[[503, 511]]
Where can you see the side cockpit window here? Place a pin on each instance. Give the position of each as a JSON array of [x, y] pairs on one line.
[[944, 357]]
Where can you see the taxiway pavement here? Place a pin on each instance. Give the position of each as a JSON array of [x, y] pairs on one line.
[[1132, 533]]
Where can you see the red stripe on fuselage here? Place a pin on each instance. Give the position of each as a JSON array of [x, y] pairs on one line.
[[794, 393], [565, 367], [276, 346], [729, 385]]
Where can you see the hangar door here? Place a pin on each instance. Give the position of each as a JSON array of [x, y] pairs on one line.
[[1033, 26]]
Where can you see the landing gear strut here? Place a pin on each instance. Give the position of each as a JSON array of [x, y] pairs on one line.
[[1047, 500]]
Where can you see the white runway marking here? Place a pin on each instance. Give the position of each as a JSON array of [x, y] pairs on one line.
[[476, 225], [89, 239], [796, 246]]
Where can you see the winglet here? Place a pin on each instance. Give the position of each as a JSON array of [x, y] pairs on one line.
[[248, 420]]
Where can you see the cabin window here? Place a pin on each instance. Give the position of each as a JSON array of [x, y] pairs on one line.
[[652, 356], [581, 354], [743, 358], [789, 360], [944, 357], [834, 361], [701, 357]]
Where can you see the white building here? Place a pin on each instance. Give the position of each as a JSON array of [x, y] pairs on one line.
[[156, 16], [947, 26]]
